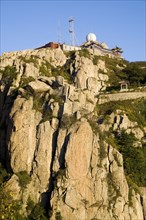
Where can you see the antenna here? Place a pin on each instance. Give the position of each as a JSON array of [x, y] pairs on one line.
[[71, 31], [59, 32]]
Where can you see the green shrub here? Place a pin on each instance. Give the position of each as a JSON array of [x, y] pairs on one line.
[[26, 95], [39, 102], [96, 59], [102, 150], [84, 53], [114, 88], [47, 115], [110, 139], [30, 205], [132, 186], [58, 216], [114, 71], [9, 74], [38, 213], [121, 70], [46, 69], [125, 139], [9, 208], [56, 98], [94, 126], [25, 80], [135, 75], [24, 178], [70, 53], [3, 174], [134, 158], [67, 121], [101, 71]]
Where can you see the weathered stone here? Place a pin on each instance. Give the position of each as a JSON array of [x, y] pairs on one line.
[[37, 86], [31, 70], [68, 108], [81, 79], [76, 107], [22, 142], [143, 195], [93, 85], [101, 66], [43, 155], [60, 80], [55, 109], [103, 77], [54, 123], [80, 144]]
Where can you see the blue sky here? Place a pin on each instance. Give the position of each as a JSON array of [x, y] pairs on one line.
[[27, 24]]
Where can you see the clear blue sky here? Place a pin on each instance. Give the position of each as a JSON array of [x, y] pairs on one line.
[[27, 24]]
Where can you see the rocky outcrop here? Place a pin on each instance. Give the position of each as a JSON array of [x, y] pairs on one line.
[[52, 130]]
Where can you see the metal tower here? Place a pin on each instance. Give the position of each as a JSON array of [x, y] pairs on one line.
[[71, 31]]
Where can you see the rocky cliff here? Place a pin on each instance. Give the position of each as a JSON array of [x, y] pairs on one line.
[[67, 156]]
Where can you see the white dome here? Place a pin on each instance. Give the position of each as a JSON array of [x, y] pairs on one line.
[[91, 37]]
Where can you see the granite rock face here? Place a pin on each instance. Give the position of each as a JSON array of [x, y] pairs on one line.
[[47, 130]]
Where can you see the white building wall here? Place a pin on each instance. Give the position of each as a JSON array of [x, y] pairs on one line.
[[66, 47]]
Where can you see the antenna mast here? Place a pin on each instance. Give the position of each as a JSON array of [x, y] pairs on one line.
[[59, 32], [71, 31]]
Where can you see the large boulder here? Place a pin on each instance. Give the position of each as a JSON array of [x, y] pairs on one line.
[[37, 86]]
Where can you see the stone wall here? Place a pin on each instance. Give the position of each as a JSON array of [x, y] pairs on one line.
[[121, 96]]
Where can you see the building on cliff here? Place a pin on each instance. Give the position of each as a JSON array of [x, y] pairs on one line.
[[92, 44], [101, 48]]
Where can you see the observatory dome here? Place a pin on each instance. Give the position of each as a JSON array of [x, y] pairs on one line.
[[91, 37]]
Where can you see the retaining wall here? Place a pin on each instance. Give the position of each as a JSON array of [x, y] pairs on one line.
[[121, 96]]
